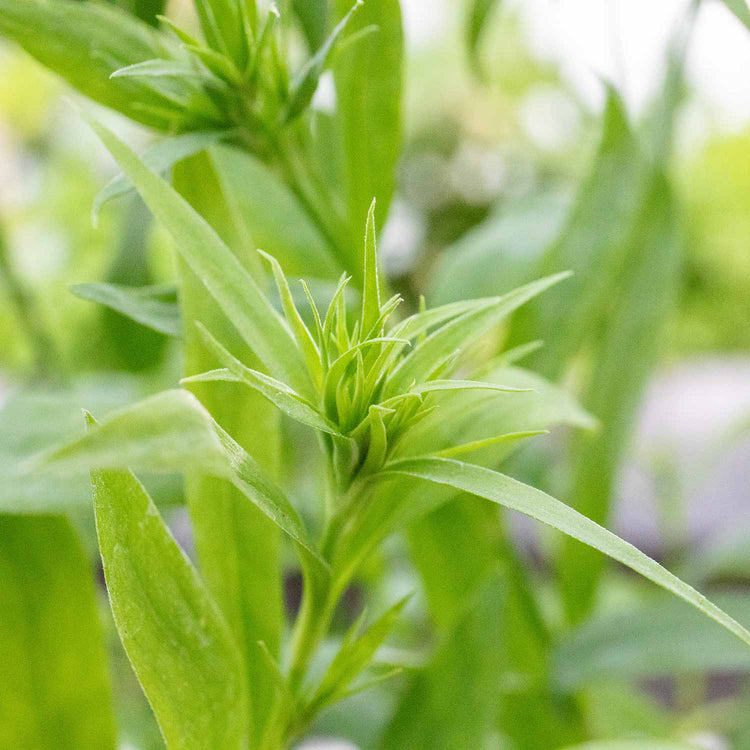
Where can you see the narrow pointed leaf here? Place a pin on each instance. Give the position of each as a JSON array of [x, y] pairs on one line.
[[153, 306], [85, 43], [224, 276], [371, 291], [174, 635], [282, 396], [465, 385], [306, 81], [461, 332], [172, 432], [355, 656], [510, 493]]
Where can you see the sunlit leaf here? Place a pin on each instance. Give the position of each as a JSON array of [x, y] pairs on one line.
[[175, 637]]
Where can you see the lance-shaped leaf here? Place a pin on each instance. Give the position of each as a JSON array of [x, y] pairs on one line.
[[371, 289], [312, 15], [85, 43], [354, 656], [155, 307], [306, 81], [272, 215], [54, 685], [222, 25], [461, 332], [510, 493], [369, 115], [227, 280], [173, 633], [159, 158], [279, 394], [480, 12], [172, 432], [432, 386]]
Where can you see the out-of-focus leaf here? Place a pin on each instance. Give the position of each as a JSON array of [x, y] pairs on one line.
[[153, 306], [172, 432], [460, 332], [221, 22], [271, 216], [85, 43], [239, 549], [452, 702], [313, 17], [160, 157], [306, 82], [354, 656], [368, 93], [35, 419], [740, 9], [54, 682], [499, 254], [651, 640], [146, 10], [480, 12], [633, 325], [218, 268], [501, 489], [174, 635]]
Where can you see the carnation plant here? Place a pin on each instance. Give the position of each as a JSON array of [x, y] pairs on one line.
[[407, 414]]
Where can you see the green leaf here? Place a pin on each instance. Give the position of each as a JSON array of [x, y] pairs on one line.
[[633, 323], [238, 547], [638, 744], [452, 703], [370, 116], [153, 306], [54, 683], [740, 9], [221, 22], [159, 158], [432, 386], [85, 43], [460, 333], [272, 216], [306, 82], [35, 418], [173, 633], [371, 289], [650, 640], [279, 394], [354, 656], [172, 432], [515, 495], [502, 252], [213, 262], [313, 17], [480, 11]]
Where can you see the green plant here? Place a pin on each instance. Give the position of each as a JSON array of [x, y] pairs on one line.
[[410, 414]]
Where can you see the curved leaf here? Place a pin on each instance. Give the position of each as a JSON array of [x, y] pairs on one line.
[[515, 495]]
